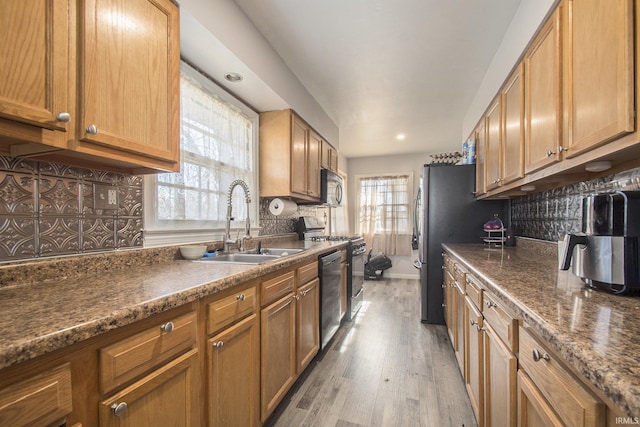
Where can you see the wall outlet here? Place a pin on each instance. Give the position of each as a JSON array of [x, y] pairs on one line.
[[105, 196]]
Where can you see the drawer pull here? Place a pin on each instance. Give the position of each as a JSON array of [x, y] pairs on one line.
[[444, 305], [444, 267], [537, 356], [119, 409], [218, 344], [241, 297], [167, 327], [491, 304], [473, 322], [479, 329], [63, 117]]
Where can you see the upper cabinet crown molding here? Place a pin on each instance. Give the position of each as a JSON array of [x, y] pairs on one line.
[[97, 92]]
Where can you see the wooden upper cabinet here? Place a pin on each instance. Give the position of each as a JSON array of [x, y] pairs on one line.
[[33, 68], [130, 79], [480, 137], [513, 127], [314, 145], [329, 157], [599, 62], [493, 144], [290, 157], [93, 83], [543, 100], [299, 135]]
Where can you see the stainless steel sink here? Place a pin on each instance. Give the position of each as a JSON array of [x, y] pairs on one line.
[[280, 251], [241, 258]]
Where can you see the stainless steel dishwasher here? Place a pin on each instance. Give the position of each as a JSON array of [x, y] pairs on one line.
[[329, 272]]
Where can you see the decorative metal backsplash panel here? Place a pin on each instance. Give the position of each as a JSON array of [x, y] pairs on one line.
[[551, 214], [273, 225], [46, 209]]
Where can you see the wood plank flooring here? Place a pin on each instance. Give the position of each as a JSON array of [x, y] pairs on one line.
[[384, 369]]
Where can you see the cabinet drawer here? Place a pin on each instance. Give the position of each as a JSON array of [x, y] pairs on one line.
[[474, 291], [459, 274], [308, 272], [573, 402], [505, 326], [40, 400], [277, 287], [133, 356], [234, 307]]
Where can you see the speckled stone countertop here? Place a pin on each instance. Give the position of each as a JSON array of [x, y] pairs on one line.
[[595, 332], [41, 316]]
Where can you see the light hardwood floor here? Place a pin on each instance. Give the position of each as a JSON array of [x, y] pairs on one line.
[[384, 369]]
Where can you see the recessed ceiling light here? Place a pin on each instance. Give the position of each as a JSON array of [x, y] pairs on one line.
[[400, 136], [233, 77]]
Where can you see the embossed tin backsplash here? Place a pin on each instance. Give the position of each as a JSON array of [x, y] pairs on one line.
[[551, 214], [46, 209]]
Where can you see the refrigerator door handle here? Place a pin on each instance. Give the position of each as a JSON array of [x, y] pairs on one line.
[[417, 264], [415, 236]]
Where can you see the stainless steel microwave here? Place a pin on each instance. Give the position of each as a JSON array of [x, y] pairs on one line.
[[331, 190]]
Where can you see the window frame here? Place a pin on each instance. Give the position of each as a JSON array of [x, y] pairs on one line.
[[388, 175], [170, 232]]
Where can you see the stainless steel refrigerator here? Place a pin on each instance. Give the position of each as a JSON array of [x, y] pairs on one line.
[[446, 211]]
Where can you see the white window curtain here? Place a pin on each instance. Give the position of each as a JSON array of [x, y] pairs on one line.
[[218, 146], [340, 215], [384, 212]]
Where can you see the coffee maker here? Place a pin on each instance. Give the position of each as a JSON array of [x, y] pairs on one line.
[[606, 254]]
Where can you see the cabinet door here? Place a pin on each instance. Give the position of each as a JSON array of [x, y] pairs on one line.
[[451, 306], [308, 328], [599, 57], [129, 88], [480, 136], [461, 329], [169, 396], [277, 353], [474, 361], [34, 52], [500, 370], [233, 378], [513, 127], [334, 160], [542, 97], [299, 136], [533, 410], [493, 144], [313, 164]]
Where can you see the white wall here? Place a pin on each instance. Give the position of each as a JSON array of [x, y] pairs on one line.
[[523, 27], [402, 265], [221, 25]]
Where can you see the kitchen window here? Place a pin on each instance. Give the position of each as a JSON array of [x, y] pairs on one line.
[[218, 144], [383, 212]]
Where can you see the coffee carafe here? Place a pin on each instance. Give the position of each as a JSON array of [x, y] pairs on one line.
[[606, 254]]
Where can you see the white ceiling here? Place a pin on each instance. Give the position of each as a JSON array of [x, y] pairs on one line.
[[383, 67]]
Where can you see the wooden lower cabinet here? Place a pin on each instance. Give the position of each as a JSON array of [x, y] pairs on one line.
[[277, 347], [474, 362], [168, 396], [460, 327], [307, 327], [533, 410], [500, 377], [233, 360]]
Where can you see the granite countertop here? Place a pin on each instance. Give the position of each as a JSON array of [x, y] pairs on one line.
[[596, 332], [39, 317]]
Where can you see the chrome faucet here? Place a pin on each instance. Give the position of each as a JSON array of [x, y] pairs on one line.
[[247, 227]]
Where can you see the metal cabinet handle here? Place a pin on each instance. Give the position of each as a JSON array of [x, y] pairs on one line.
[[444, 305], [119, 409], [561, 149], [473, 322], [218, 344], [490, 304], [296, 297], [479, 329], [167, 327], [240, 297], [550, 153], [63, 117], [537, 356], [92, 129]]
